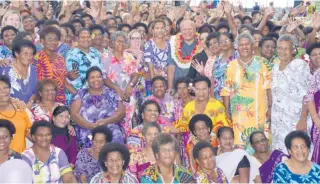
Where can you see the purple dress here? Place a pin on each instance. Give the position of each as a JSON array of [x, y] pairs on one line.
[[87, 165], [22, 89], [313, 94], [70, 149], [267, 169], [94, 108], [157, 57]]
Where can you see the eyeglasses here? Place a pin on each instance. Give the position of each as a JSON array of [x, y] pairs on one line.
[[167, 150], [261, 141], [224, 41], [135, 38]]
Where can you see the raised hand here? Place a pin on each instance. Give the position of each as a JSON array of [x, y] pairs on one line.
[[227, 7], [3, 10], [199, 66], [316, 20]]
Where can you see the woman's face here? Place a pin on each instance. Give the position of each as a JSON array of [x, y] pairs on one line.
[[257, 38], [151, 133], [265, 30], [183, 91], [5, 139], [202, 131], [267, 49], [150, 114], [207, 159], [142, 31], [166, 154], [48, 93], [25, 56], [245, 48], [98, 141], [159, 30], [78, 26], [51, 42], [238, 23], [8, 37], [4, 93], [42, 137], [105, 41], [225, 43], [135, 40], [97, 37], [202, 90], [203, 38], [14, 20], [299, 150], [168, 27], [62, 120], [120, 44], [214, 46], [114, 162], [64, 35], [29, 24], [95, 80], [260, 143], [315, 58], [159, 89], [226, 141], [84, 40], [285, 51]]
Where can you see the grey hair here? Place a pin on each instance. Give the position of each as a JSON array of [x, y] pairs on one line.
[[288, 38], [150, 125], [242, 36], [163, 139], [116, 34]]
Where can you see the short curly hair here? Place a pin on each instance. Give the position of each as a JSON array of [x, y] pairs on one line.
[[8, 125], [144, 106], [49, 29], [102, 130], [20, 44], [41, 123], [162, 139], [150, 125], [42, 83], [200, 117], [294, 135], [6, 28], [225, 129], [114, 147], [199, 146]]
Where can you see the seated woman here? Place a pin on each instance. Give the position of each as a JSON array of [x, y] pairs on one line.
[[22, 74], [201, 128], [143, 157], [46, 94], [96, 106], [149, 112], [297, 169], [165, 148], [7, 130], [62, 138], [266, 159], [87, 164], [202, 104], [114, 160], [236, 164], [207, 172], [49, 163], [19, 118]]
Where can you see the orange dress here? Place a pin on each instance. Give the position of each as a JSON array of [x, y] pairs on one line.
[[22, 123]]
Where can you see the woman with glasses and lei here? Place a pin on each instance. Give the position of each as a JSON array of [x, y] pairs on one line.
[[312, 99], [95, 106], [121, 69], [246, 88], [165, 170], [266, 159]]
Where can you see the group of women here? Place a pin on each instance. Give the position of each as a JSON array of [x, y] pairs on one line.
[[84, 102]]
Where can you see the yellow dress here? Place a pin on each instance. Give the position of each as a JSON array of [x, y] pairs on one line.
[[247, 89], [214, 109]]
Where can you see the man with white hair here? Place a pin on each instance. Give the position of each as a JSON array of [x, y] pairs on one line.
[[184, 46]]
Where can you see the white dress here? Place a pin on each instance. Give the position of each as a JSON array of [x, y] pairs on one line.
[[288, 88]]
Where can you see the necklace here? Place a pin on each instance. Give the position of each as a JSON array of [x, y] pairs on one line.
[[97, 99], [162, 177], [245, 64], [19, 77], [15, 112]]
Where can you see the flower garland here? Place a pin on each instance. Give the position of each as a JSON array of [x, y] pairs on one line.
[[176, 43]]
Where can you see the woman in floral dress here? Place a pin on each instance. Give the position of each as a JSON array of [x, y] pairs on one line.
[[96, 106], [121, 69]]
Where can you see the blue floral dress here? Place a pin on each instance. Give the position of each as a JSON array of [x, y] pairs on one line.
[[94, 108], [282, 174], [77, 59], [5, 53]]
